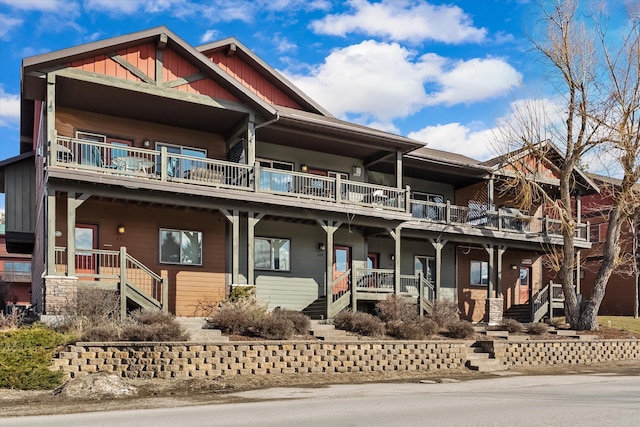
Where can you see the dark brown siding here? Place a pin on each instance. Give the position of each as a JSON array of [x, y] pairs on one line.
[[189, 286], [68, 121]]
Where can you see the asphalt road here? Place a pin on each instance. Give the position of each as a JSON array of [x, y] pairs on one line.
[[575, 400]]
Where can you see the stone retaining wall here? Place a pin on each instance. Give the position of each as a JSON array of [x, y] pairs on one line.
[[197, 360], [193, 360], [556, 352]]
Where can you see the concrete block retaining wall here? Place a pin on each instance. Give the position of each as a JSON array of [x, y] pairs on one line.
[[197, 360], [193, 360], [556, 352]]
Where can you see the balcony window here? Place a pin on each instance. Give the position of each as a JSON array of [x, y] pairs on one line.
[[272, 254], [429, 206], [479, 274], [180, 247]]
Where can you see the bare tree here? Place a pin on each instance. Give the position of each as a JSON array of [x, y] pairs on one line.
[[598, 87]]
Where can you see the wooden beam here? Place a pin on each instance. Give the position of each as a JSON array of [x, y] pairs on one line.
[[397, 258], [372, 160], [50, 119], [491, 272], [438, 245], [185, 80], [251, 143], [51, 232], [131, 68], [398, 169], [500, 252], [234, 218], [156, 90]]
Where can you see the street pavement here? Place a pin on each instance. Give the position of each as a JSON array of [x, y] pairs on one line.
[[570, 400]]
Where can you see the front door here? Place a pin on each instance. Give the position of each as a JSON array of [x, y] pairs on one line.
[[87, 239], [426, 266], [525, 284], [341, 264]]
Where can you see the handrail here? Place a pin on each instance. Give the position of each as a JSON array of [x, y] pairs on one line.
[[340, 286], [375, 280]]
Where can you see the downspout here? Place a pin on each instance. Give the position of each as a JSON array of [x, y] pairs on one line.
[[267, 123]]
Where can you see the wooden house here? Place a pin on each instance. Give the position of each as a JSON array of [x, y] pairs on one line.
[[173, 173]]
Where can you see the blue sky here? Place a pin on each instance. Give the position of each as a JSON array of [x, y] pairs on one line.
[[440, 71]]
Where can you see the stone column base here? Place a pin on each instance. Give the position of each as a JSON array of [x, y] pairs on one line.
[[60, 293], [495, 307]]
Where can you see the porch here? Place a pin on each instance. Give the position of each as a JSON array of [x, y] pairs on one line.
[[117, 271]]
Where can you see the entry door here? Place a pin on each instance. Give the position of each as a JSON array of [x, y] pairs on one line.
[[341, 263], [525, 284], [86, 238]]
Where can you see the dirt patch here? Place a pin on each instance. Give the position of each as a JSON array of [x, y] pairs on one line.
[[157, 393]]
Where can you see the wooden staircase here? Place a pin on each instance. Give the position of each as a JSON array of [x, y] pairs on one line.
[[519, 312]]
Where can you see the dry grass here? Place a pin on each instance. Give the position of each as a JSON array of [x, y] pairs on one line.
[[625, 323]]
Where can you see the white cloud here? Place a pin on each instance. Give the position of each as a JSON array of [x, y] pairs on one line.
[[384, 81], [282, 44], [9, 108], [458, 138], [56, 6], [7, 24], [401, 20], [209, 35]]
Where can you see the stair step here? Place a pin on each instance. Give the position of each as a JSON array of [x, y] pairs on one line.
[[490, 365], [564, 332]]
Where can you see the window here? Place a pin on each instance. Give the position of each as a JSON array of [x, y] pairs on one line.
[[275, 181], [180, 247], [177, 166], [272, 254], [479, 273], [433, 209], [598, 232], [15, 271], [425, 265], [97, 155]]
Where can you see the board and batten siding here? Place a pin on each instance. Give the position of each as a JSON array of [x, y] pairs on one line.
[[190, 286], [20, 195]]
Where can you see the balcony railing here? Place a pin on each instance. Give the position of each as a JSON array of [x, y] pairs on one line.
[[164, 166], [507, 219], [15, 276]]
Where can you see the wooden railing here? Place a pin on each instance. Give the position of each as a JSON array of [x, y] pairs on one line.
[[506, 219], [339, 293], [16, 276], [375, 280], [105, 269], [546, 300], [163, 166]]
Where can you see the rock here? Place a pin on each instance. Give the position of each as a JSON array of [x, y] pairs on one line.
[[448, 381], [97, 386], [427, 382]]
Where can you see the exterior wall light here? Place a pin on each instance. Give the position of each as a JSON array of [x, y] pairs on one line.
[[322, 247], [146, 143], [120, 229], [304, 168]]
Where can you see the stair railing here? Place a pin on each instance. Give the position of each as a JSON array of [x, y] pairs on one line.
[[338, 293]]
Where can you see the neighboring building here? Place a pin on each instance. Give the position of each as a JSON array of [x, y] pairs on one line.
[[621, 296], [204, 168], [15, 276]]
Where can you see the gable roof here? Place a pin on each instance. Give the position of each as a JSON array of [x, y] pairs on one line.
[[231, 46], [552, 153], [36, 65]]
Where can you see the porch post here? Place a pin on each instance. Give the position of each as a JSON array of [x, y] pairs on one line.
[[329, 227], [251, 141], [578, 270], [234, 218], [252, 220], [438, 244], [398, 169], [71, 234], [501, 251], [490, 194], [578, 254], [51, 231], [421, 294], [492, 271], [51, 119], [395, 234], [123, 282]]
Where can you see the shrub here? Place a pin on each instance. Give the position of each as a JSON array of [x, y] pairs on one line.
[[397, 308], [153, 332], [429, 327], [444, 313], [12, 320], [25, 358], [141, 325], [237, 317], [412, 330], [274, 327], [100, 333], [537, 329], [242, 292], [360, 323], [460, 329], [511, 325], [301, 323], [94, 307]]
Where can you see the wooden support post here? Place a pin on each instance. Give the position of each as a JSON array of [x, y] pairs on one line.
[[51, 232], [71, 234], [421, 294], [438, 245], [354, 298], [252, 220], [234, 218], [578, 270], [330, 228], [501, 251], [123, 282], [491, 272], [407, 200], [164, 165], [397, 259], [251, 141], [447, 214], [48, 150], [398, 169]]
